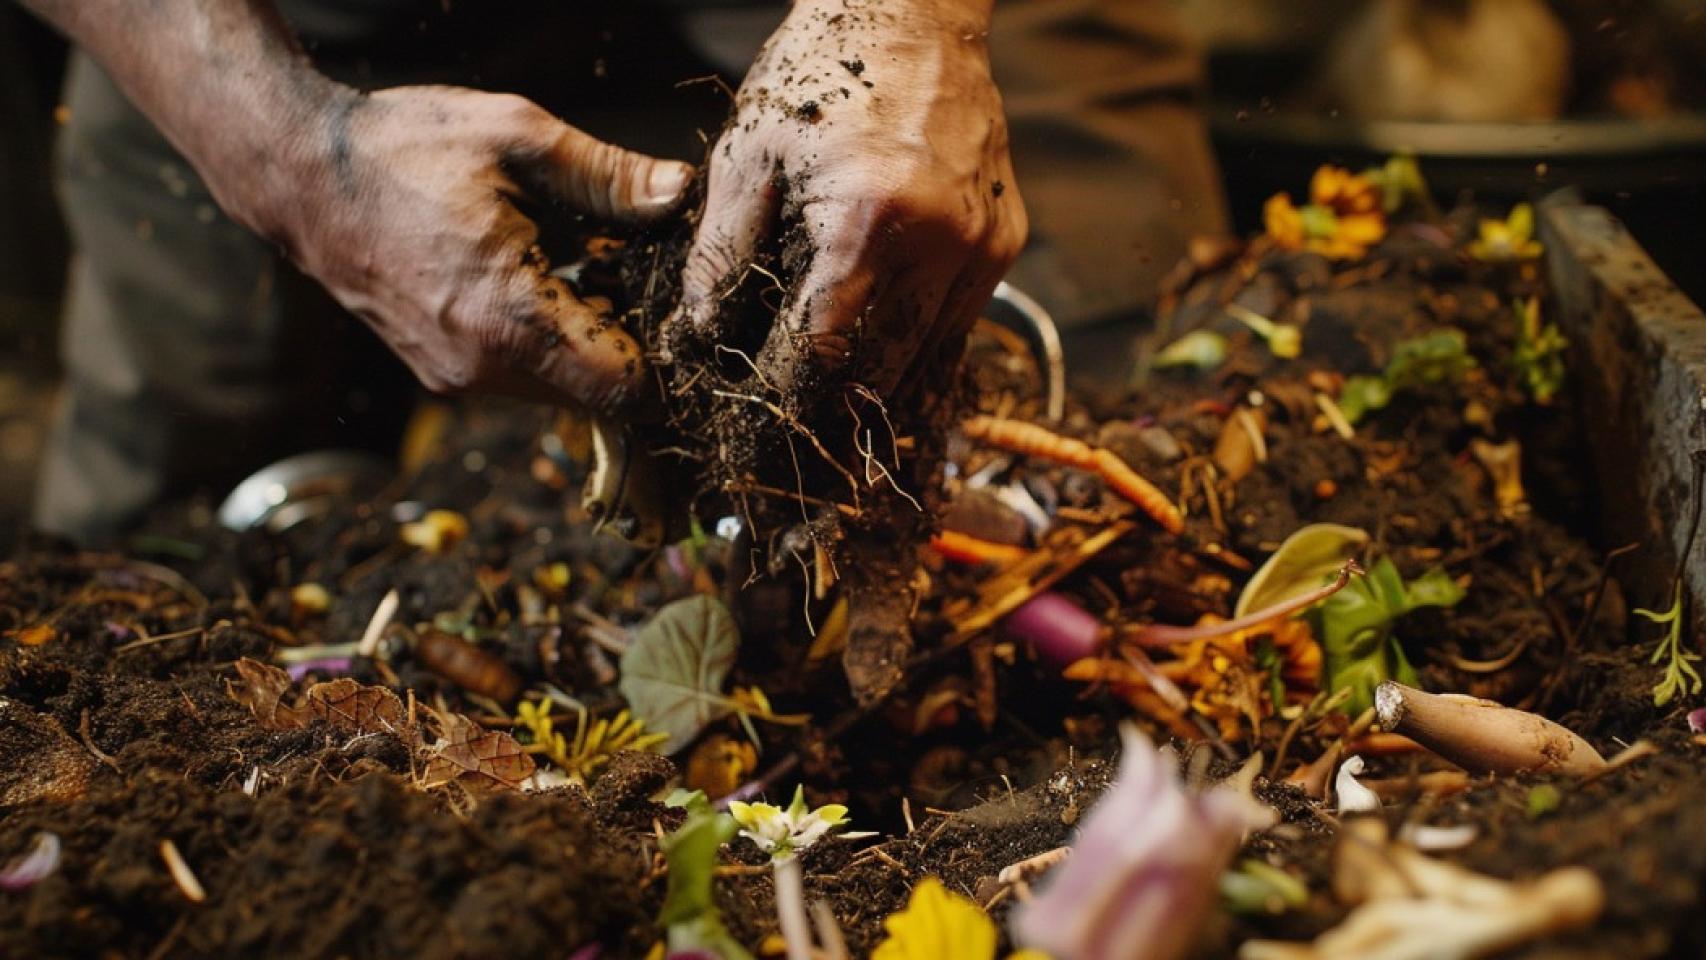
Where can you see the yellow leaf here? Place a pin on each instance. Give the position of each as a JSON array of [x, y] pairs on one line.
[[937, 924]]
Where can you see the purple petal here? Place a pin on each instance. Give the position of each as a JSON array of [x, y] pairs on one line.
[[1697, 720], [588, 952], [1142, 877], [31, 868], [332, 666], [118, 631]]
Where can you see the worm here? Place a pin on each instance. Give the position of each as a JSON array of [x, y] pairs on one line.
[[1031, 440]]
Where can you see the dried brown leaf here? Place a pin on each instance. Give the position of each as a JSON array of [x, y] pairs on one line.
[[465, 750], [343, 703], [348, 705], [262, 690]]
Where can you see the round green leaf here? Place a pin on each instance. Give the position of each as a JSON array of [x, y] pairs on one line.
[[673, 672]]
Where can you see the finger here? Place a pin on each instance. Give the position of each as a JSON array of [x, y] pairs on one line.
[[965, 301], [594, 177], [739, 210], [559, 348], [901, 318], [823, 326]]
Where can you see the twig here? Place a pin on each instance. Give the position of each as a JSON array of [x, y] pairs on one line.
[[89, 744], [1162, 635], [382, 615], [159, 638]]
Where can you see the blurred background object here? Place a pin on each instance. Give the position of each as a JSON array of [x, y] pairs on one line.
[[1501, 100], [32, 254]]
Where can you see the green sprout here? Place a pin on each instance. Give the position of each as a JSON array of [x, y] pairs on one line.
[[690, 917], [1355, 629], [1197, 351], [1438, 357], [1539, 355], [1284, 341], [1256, 887], [1543, 799], [1680, 675], [1400, 181]]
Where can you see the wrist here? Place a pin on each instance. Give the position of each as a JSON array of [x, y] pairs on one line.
[[295, 135]]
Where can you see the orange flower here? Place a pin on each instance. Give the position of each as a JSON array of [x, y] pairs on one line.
[[1343, 219], [1344, 192], [1283, 221], [1223, 681]]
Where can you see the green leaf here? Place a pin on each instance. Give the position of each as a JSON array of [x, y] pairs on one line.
[[1256, 887], [1198, 350], [689, 909], [673, 672], [1355, 629], [1437, 357], [1680, 675], [1432, 589], [693, 801], [1307, 559], [1543, 799], [1362, 395]]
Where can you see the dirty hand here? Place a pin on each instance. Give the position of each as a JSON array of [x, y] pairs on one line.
[[877, 127], [402, 206]]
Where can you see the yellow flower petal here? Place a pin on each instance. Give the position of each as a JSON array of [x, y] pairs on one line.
[[1283, 222], [937, 924]]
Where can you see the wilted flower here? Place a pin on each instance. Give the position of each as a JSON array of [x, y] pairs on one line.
[[1144, 873], [1343, 218], [1502, 241], [782, 833]]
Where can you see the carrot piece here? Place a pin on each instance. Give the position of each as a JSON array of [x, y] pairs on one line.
[[964, 548]]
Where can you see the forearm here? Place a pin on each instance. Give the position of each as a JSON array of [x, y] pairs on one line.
[[224, 81]]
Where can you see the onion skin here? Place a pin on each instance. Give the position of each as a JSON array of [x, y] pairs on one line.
[[1062, 631]]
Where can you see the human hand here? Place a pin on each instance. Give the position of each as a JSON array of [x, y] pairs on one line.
[[878, 129], [405, 212]]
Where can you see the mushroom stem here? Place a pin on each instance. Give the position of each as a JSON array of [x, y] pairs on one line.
[[1482, 736]]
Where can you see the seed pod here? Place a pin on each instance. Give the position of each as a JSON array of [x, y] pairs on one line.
[[1482, 736], [467, 666]]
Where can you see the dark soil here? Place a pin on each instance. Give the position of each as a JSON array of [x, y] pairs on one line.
[[118, 732]]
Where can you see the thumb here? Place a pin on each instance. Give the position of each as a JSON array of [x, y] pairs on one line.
[[601, 179]]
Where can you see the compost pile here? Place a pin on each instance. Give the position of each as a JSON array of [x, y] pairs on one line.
[[458, 720]]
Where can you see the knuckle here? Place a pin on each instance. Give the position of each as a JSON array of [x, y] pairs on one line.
[[515, 110]]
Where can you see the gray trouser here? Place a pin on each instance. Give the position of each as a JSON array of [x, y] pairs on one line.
[[194, 354]]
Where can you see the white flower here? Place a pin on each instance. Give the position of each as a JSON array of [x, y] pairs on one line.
[[781, 833]]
